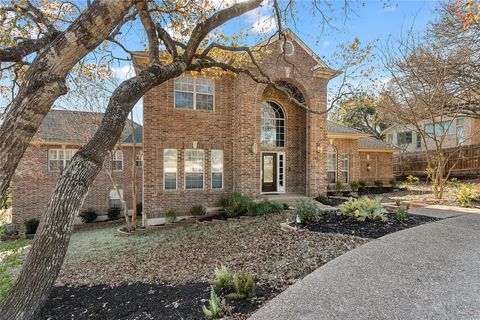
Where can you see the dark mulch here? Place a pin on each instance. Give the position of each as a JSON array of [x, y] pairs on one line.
[[333, 223], [142, 301]]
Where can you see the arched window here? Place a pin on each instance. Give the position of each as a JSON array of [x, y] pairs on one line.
[[273, 125]]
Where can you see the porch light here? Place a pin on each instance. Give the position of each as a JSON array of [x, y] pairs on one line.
[[369, 167], [319, 148], [254, 147], [331, 142], [195, 144]]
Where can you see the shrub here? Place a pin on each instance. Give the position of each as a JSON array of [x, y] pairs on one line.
[[354, 185], [113, 213], [222, 279], [244, 286], [307, 211], [401, 213], [378, 183], [236, 204], [31, 226], [139, 208], [413, 180], [214, 310], [171, 215], [89, 215], [338, 187], [362, 184], [363, 209], [393, 182], [198, 210], [467, 194], [262, 208], [285, 206], [323, 199]]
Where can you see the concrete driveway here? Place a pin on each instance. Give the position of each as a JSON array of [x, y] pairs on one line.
[[427, 272]]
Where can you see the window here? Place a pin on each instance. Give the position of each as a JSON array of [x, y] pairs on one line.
[[217, 169], [114, 200], [273, 125], [117, 160], [194, 169], [332, 165], [170, 164], [346, 168], [419, 140], [58, 159], [404, 137], [459, 131], [194, 93], [139, 159], [390, 138], [441, 128]]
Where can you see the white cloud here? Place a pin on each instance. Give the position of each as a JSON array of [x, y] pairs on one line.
[[220, 4], [124, 72], [264, 24]]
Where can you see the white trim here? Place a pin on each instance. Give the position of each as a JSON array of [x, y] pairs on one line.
[[176, 170], [185, 171], [64, 160], [281, 189], [194, 92], [212, 172], [284, 172]]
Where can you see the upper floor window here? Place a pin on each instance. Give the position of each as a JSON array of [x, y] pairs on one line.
[[441, 128], [117, 160], [194, 93], [194, 168], [404, 137], [217, 169], [419, 140], [58, 159], [273, 125]]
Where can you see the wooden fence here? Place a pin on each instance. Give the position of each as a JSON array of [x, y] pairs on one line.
[[464, 160]]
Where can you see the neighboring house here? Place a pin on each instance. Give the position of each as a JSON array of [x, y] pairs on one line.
[[61, 134], [208, 135], [461, 139]]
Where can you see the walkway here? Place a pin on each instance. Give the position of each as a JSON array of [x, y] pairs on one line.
[[428, 272]]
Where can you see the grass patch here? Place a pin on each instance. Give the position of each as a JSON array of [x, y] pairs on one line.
[[11, 257]]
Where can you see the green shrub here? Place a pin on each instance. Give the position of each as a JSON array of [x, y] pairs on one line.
[[354, 185], [378, 183], [31, 226], [222, 279], [363, 209], [401, 213], [244, 286], [413, 180], [113, 213], [323, 199], [467, 194], [171, 215], [307, 211], [236, 204], [285, 206], [214, 310], [139, 208], [338, 187], [362, 184], [393, 182], [262, 208], [198, 210], [89, 215]]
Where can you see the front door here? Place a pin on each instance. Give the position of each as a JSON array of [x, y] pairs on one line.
[[269, 172]]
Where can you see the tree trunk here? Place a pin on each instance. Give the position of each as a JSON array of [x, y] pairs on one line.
[[45, 80]]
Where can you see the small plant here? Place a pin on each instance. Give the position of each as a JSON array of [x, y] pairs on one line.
[[262, 208], [198, 210], [413, 180], [171, 215], [139, 208], [362, 184], [236, 204], [31, 226], [467, 194], [307, 211], [378, 183], [214, 310], [323, 199], [354, 185], [393, 182], [113, 213], [89, 215], [222, 279], [401, 213], [338, 187], [363, 209], [244, 286], [285, 206]]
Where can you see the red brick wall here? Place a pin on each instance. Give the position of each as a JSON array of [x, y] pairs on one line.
[[33, 183], [376, 166], [350, 147]]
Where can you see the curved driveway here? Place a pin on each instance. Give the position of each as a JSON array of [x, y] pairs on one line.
[[427, 272]]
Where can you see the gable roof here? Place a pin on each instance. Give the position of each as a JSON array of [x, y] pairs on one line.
[[365, 141], [78, 126], [372, 143], [338, 129]]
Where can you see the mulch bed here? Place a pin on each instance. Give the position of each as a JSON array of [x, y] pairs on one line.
[[142, 301], [333, 223]]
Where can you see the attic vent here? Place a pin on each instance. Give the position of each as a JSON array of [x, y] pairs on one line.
[[288, 48]]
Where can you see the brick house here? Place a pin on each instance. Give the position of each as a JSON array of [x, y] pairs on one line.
[[208, 135], [60, 135]]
